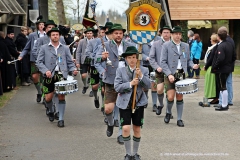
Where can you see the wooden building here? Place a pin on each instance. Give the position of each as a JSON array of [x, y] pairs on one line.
[[15, 13]]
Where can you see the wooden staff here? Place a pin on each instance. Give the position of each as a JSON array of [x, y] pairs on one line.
[[135, 87]]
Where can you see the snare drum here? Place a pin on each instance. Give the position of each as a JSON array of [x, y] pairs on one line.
[[152, 77], [186, 86], [66, 87]]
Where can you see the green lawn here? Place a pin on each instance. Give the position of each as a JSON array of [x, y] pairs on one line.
[[6, 97], [235, 73]]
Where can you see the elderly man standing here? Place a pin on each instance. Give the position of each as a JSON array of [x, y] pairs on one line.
[[222, 66], [175, 58], [229, 79]]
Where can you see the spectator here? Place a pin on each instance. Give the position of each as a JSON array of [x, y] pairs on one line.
[[211, 91], [6, 73], [14, 55], [190, 41], [1, 60], [196, 51], [229, 79], [24, 65]]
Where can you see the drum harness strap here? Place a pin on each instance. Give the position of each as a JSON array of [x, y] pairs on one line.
[[130, 75]]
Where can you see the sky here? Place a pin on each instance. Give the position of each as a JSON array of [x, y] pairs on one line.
[[120, 5]]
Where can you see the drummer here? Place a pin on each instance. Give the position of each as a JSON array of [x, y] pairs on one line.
[[155, 56], [55, 62], [175, 59]]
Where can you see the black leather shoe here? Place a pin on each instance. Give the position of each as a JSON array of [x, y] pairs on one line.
[[39, 98], [96, 103], [102, 110], [128, 157], [154, 108], [56, 116], [221, 108], [167, 118], [180, 123], [60, 123], [109, 131], [84, 90], [136, 157], [120, 139], [230, 104], [116, 124], [91, 94], [171, 117], [51, 117], [159, 110], [106, 120]]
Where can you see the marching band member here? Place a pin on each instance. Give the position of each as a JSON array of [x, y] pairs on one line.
[[107, 37], [146, 58], [82, 59], [155, 56], [114, 50], [94, 80], [124, 82], [28, 49], [55, 62], [175, 58], [45, 40]]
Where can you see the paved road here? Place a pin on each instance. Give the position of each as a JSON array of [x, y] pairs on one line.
[[26, 133]]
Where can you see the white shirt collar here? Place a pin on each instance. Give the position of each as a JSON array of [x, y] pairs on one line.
[[50, 44], [41, 33]]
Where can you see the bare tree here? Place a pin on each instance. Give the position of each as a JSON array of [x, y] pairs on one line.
[[60, 12]]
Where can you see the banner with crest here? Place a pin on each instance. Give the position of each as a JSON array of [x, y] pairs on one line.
[[143, 18]]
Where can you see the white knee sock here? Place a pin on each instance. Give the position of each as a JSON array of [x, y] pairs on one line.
[[224, 98]]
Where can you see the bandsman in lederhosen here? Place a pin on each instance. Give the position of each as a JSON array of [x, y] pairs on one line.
[[175, 59], [154, 59]]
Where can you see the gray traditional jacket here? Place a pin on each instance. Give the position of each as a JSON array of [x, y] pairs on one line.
[[47, 59], [81, 51], [155, 54], [122, 85], [30, 45], [109, 71], [41, 41], [146, 51], [170, 56]]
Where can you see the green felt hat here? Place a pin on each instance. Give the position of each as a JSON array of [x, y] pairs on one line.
[[177, 29], [54, 30], [117, 26], [89, 29], [130, 51], [50, 22], [166, 27], [107, 25]]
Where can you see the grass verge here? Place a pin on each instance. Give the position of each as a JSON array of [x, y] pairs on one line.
[[6, 97]]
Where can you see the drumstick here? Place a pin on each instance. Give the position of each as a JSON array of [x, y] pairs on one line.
[[9, 62]]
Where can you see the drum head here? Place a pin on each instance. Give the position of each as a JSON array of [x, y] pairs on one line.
[[70, 78], [186, 81]]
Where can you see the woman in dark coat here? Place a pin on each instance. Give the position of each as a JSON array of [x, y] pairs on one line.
[[23, 68]]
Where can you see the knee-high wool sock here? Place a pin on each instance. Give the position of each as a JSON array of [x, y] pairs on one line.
[[154, 97], [169, 106], [136, 142], [160, 99], [61, 109], [110, 119], [127, 144], [179, 109]]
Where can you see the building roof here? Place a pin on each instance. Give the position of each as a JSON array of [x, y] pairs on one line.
[[204, 10]]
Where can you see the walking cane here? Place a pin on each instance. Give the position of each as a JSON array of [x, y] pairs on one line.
[[135, 87]]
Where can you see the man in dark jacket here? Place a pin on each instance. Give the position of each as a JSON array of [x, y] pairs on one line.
[[24, 65], [222, 66], [13, 52], [6, 73]]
